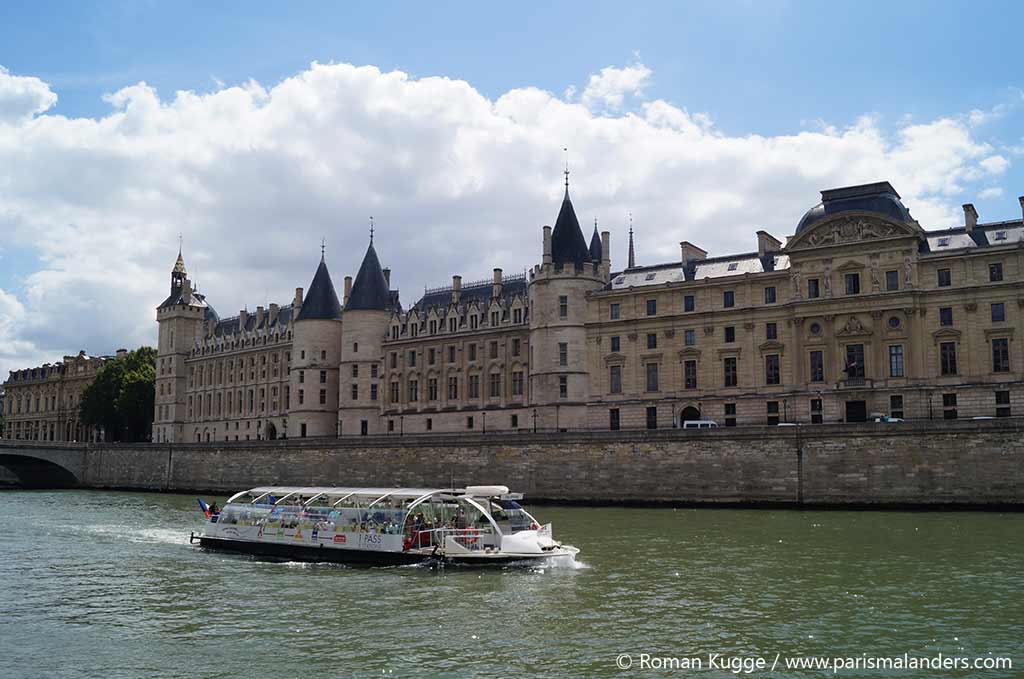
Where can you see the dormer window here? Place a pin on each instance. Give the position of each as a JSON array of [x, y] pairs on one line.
[[649, 277], [944, 241], [620, 280], [1000, 235], [733, 266]]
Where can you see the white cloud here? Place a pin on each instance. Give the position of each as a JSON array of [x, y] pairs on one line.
[[990, 192], [253, 176], [608, 88], [22, 97], [994, 164]]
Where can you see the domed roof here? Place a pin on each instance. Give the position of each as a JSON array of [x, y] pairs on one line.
[[879, 197]]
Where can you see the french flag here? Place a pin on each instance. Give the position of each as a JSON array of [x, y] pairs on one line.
[[205, 507]]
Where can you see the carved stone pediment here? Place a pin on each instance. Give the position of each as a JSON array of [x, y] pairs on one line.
[[946, 335], [852, 265], [772, 346], [849, 228], [615, 358], [689, 353], [852, 328]]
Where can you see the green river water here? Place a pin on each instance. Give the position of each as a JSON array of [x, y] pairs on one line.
[[105, 584]]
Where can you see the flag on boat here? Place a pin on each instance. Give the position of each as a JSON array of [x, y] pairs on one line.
[[205, 507]]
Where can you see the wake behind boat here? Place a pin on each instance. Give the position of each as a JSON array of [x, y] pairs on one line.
[[381, 526]]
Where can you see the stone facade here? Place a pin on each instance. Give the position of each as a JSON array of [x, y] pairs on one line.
[[861, 312], [42, 404]]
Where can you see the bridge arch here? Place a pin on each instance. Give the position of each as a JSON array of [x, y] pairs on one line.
[[37, 471]]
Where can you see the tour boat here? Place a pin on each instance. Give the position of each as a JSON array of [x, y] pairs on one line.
[[382, 526]]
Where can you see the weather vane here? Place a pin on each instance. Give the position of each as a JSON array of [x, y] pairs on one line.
[[371, 228]]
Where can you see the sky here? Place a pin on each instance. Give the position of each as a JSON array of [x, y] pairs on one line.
[[253, 130]]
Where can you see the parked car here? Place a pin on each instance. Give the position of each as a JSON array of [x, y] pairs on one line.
[[886, 418], [699, 424], [788, 424]]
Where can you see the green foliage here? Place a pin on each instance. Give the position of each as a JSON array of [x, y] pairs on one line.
[[121, 397]]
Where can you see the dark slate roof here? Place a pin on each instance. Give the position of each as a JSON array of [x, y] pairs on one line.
[[595, 246], [567, 242], [177, 296], [879, 197], [477, 292], [370, 288], [321, 301], [231, 326]]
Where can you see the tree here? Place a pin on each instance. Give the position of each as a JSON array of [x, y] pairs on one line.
[[121, 397]]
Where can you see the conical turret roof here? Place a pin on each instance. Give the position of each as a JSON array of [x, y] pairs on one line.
[[370, 288], [595, 245], [321, 301], [567, 242], [179, 266]]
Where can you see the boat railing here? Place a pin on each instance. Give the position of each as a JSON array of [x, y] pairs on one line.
[[469, 538]]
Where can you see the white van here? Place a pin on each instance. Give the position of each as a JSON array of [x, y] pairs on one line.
[[699, 424]]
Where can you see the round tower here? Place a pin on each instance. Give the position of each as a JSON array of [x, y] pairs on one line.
[[559, 375], [367, 313], [180, 318], [316, 351]]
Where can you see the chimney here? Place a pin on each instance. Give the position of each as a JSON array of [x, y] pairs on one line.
[[186, 290], [387, 277], [496, 289], [273, 314], [1021, 200], [970, 217], [689, 251], [767, 243], [297, 302], [259, 316], [348, 289], [606, 245], [456, 288], [547, 245], [243, 319]]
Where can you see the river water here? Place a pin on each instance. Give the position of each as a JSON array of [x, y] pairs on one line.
[[105, 584]]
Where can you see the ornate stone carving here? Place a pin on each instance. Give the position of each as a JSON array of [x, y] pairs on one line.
[[853, 327], [848, 230], [631, 337], [748, 326], [970, 307], [908, 273], [798, 293], [709, 330], [876, 314], [670, 333], [876, 284]]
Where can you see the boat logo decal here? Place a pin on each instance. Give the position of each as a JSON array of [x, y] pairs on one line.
[[340, 539]]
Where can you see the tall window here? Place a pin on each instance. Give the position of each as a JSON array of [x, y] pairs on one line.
[[615, 379], [730, 334], [563, 306], [373, 392], [563, 353], [896, 360], [728, 299], [474, 386], [690, 374], [563, 386], [516, 344], [394, 392], [946, 316], [772, 412], [947, 358], [1000, 355], [771, 369], [451, 355], [995, 272], [730, 414], [729, 367], [652, 307], [689, 303], [414, 390], [771, 331], [816, 412], [323, 376], [813, 288], [854, 367], [517, 383], [652, 340], [998, 312], [690, 337], [896, 406], [1002, 404], [323, 396], [431, 356], [817, 372], [355, 392], [769, 295], [613, 419], [615, 345], [472, 352], [892, 280], [652, 376], [652, 417], [945, 278], [495, 385], [949, 406], [852, 283], [613, 312], [412, 358], [453, 388]]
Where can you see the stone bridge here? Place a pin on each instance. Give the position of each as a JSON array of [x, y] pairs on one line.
[[44, 465]]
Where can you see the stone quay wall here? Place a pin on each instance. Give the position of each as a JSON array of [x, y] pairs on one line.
[[967, 463]]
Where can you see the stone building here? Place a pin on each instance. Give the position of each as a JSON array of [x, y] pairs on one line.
[[860, 312], [42, 404]]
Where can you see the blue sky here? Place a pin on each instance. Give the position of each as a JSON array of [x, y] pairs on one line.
[[768, 102]]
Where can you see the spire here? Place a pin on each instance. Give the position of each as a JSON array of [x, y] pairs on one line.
[[179, 266], [632, 252], [595, 244], [370, 288], [321, 301], [566, 149], [567, 242]]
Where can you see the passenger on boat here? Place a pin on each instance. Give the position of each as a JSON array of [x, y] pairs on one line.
[[214, 509]]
